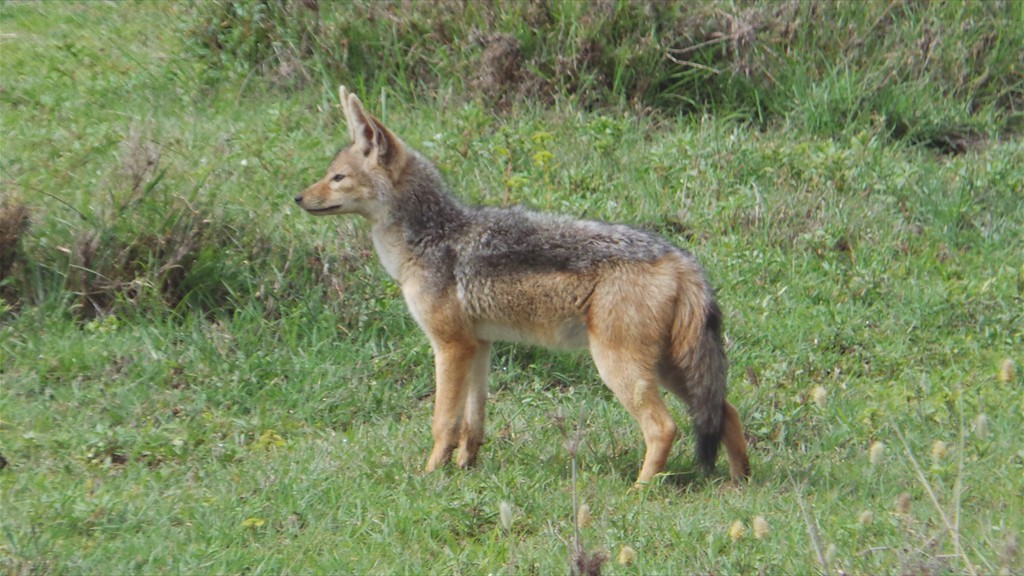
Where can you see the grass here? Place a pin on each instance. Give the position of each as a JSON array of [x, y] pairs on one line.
[[198, 378]]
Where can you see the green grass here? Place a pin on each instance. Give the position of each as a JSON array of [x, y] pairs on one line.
[[196, 377]]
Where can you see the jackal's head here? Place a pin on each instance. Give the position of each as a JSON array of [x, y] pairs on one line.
[[364, 173]]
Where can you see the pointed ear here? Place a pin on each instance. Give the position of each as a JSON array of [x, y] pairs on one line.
[[346, 109], [343, 97], [369, 135], [360, 125], [390, 148]]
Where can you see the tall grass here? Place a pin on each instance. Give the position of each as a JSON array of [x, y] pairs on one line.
[[944, 74]]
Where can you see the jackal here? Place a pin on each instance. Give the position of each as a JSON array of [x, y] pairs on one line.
[[473, 275]]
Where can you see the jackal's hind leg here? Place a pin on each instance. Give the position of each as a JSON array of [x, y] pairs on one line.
[[630, 376], [472, 434], [735, 444]]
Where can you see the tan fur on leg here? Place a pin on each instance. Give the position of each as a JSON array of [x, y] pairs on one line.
[[735, 444], [472, 434]]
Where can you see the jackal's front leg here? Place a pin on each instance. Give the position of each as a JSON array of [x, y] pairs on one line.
[[453, 362], [472, 434]]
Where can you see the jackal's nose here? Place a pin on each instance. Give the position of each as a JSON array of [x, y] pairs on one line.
[[298, 198]]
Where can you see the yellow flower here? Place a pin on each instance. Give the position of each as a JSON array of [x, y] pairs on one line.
[[626, 555], [737, 530], [253, 523], [542, 158], [267, 440]]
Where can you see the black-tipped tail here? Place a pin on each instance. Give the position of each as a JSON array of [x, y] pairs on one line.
[[707, 378], [698, 371], [707, 450]]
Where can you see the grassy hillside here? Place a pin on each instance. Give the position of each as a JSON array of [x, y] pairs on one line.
[[197, 377]]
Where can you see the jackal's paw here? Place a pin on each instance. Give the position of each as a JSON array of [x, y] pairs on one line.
[[739, 481], [739, 475], [465, 461], [433, 463], [642, 485]]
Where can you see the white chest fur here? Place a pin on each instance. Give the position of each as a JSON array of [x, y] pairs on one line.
[[393, 254]]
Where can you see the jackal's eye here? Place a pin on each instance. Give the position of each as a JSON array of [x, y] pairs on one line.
[[338, 177]]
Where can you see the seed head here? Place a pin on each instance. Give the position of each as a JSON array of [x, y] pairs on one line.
[[761, 527], [939, 450], [1007, 370], [505, 514], [903, 504], [583, 516], [876, 452], [820, 396], [981, 426]]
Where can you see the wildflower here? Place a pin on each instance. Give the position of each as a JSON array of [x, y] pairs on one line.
[[267, 440], [626, 555], [737, 530], [253, 523]]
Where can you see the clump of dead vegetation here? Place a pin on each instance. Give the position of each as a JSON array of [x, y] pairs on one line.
[[147, 246], [143, 245]]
